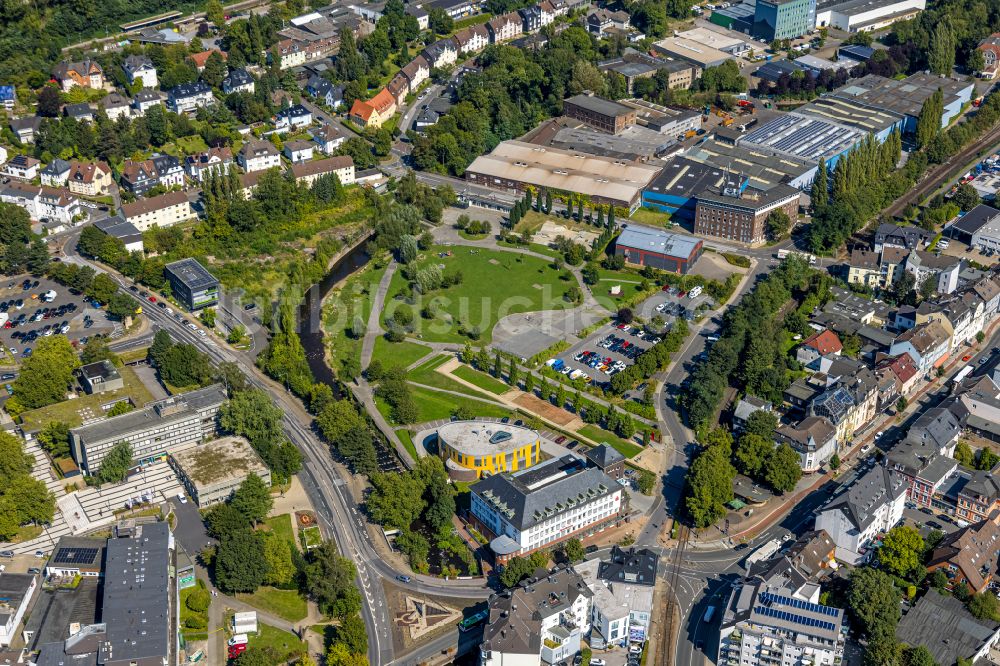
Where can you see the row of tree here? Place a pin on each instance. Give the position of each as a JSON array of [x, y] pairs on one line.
[[23, 499]]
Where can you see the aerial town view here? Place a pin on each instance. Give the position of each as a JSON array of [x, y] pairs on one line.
[[500, 333]]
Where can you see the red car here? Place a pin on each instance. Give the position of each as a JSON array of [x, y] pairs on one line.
[[560, 439], [967, 357], [152, 299], [237, 650]]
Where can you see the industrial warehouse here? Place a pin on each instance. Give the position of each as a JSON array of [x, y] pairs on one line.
[[646, 246]]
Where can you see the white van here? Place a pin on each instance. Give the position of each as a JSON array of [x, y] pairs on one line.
[[239, 639]]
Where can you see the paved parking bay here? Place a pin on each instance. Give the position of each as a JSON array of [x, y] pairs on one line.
[[620, 354], [67, 313]]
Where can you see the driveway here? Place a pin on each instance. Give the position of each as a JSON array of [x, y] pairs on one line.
[[189, 528]]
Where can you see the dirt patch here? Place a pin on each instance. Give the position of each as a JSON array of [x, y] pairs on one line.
[[544, 409], [495, 262]]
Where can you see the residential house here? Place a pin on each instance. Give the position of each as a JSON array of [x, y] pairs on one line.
[[199, 59], [990, 48], [531, 18], [290, 53], [745, 408], [140, 68], [90, 179], [375, 111], [398, 87], [328, 138], [473, 39], [8, 97], [189, 97], [86, 74], [298, 150], [258, 156], [144, 100], [324, 91], [199, 165], [82, 112], [163, 170], [115, 106], [293, 118], [163, 211], [25, 129], [927, 344], [308, 172], [421, 14], [416, 72], [978, 406], [623, 596], [440, 54], [22, 167], [601, 21], [945, 268], [924, 456], [814, 439], [504, 28], [979, 497], [907, 237], [820, 343], [542, 619], [55, 173], [548, 12], [117, 227], [873, 504], [42, 202], [942, 624], [238, 80], [902, 369], [863, 268]]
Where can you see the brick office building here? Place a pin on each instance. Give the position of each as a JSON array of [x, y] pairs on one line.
[[740, 213], [599, 113]]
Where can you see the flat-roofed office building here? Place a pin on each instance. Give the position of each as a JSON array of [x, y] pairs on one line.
[[152, 431]]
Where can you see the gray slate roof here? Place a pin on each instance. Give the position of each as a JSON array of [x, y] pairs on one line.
[[945, 627]]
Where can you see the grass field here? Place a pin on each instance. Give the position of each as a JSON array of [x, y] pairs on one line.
[[494, 284], [598, 435], [398, 353], [651, 217], [68, 411], [286, 604], [407, 440], [192, 634], [311, 537], [480, 379], [341, 307], [432, 405], [282, 526], [425, 373], [286, 645]]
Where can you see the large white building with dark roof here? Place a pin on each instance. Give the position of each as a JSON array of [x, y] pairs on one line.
[[872, 504], [539, 507]]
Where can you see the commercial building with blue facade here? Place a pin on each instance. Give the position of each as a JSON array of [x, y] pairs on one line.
[[674, 190], [783, 19]]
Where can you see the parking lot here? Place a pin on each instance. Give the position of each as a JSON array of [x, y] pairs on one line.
[[670, 303], [38, 308], [610, 349]]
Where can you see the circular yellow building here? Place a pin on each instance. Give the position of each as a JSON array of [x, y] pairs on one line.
[[473, 448]]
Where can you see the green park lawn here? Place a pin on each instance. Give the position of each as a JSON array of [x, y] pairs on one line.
[[286, 645], [480, 379], [69, 411], [599, 435], [282, 526], [407, 439], [495, 284], [433, 405], [651, 217], [402, 354], [286, 604], [192, 634], [426, 373]]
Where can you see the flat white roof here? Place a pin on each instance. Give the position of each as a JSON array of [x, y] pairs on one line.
[[480, 438], [711, 38]]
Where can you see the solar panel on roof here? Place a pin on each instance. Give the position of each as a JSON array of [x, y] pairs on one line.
[[797, 619], [75, 555]]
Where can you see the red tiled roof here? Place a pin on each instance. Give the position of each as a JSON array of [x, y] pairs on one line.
[[825, 342], [199, 59]]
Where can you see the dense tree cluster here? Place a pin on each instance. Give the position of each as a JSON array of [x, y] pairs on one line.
[[252, 414], [179, 363], [343, 425], [23, 499], [23, 250], [45, 376], [710, 479], [748, 354], [401, 500]]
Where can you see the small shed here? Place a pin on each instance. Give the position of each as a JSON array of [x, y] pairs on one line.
[[245, 623]]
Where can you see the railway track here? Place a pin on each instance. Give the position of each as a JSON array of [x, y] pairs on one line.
[[942, 173], [667, 654]]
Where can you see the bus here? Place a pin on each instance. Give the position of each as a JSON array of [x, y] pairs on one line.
[[473, 620]]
